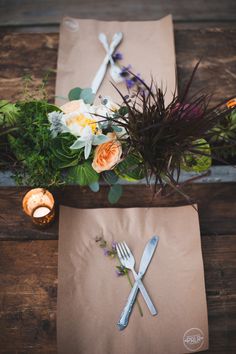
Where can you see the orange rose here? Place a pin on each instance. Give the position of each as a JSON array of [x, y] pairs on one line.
[[231, 103], [107, 155]]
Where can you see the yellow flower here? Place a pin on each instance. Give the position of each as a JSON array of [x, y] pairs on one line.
[[107, 155]]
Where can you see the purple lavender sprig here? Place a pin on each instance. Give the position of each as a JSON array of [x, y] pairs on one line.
[[112, 253], [132, 81], [117, 56], [121, 270]]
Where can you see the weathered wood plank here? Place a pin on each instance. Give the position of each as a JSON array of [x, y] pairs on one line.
[[28, 278], [36, 54], [217, 205], [54, 28], [26, 12]]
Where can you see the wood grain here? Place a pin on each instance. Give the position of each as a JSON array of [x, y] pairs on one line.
[[35, 54], [216, 201], [28, 255], [25, 12], [28, 278]]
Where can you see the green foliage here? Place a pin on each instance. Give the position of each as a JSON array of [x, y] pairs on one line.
[[110, 177], [162, 134], [223, 136], [85, 94], [82, 174], [75, 93], [8, 119], [200, 160], [94, 187], [123, 111], [8, 114], [65, 157], [31, 145], [131, 168], [115, 193]]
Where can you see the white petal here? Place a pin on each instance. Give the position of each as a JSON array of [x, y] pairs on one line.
[[87, 132], [75, 129], [100, 139], [87, 150], [78, 144]]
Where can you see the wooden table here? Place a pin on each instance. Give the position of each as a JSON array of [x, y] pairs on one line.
[[28, 256]]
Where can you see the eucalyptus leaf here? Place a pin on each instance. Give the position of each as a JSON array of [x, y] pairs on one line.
[[87, 95], [116, 128], [75, 94], [94, 187], [115, 193]]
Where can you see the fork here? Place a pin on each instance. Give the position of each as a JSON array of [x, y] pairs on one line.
[[127, 260]]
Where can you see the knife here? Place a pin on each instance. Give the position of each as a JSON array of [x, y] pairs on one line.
[[145, 261]]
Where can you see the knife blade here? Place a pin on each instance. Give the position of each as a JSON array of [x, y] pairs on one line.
[[145, 261], [148, 254]]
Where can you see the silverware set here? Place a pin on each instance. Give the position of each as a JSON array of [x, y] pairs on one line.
[[127, 260], [115, 70]]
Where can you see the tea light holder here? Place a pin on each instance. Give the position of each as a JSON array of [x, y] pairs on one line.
[[39, 204]]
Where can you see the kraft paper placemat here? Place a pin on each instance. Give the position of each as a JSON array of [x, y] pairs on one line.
[[91, 296], [148, 46]]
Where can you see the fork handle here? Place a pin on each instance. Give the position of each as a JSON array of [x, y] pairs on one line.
[[124, 319]]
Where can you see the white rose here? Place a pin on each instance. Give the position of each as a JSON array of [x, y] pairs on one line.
[[77, 117], [72, 106], [105, 109]]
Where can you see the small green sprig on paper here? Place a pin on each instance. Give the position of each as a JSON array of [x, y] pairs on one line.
[[110, 251]]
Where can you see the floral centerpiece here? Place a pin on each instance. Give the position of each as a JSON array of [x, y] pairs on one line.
[[141, 137]]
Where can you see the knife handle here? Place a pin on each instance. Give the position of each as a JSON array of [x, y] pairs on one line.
[[138, 278], [124, 319], [147, 299]]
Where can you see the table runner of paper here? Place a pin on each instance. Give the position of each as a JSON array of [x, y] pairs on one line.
[[148, 46], [91, 296]]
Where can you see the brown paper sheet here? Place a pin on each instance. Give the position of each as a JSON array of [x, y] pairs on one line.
[[148, 46], [91, 297]]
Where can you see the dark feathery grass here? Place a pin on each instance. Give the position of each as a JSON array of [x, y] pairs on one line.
[[164, 135]]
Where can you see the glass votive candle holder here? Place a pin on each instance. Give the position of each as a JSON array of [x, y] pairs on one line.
[[39, 204]]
